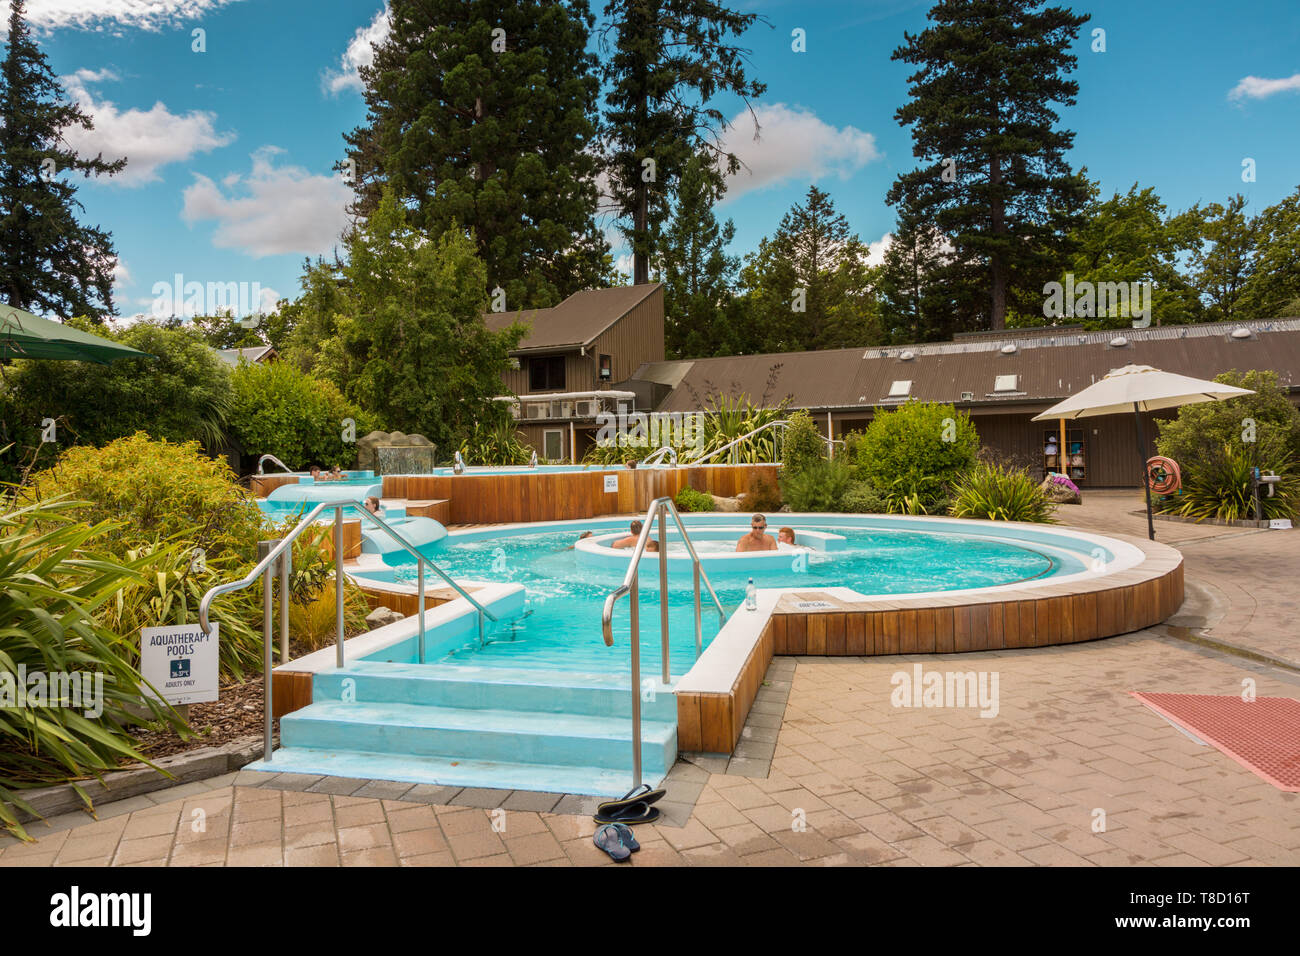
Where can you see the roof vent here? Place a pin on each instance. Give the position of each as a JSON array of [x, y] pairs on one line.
[[1009, 348], [1241, 333], [1118, 342], [907, 355], [968, 396]]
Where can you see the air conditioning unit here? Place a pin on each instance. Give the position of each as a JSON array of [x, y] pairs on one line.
[[566, 409], [587, 409], [536, 410]]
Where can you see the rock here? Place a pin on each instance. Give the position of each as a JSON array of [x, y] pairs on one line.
[[367, 457], [382, 617], [725, 504], [1060, 494]]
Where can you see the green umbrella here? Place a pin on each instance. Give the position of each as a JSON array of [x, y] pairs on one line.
[[23, 335]]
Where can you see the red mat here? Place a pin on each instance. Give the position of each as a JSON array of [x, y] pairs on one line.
[[1262, 735]]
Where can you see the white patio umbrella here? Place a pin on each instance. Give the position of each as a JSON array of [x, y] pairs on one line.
[[1140, 388]]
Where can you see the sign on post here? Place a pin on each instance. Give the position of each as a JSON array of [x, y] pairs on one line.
[[180, 661]]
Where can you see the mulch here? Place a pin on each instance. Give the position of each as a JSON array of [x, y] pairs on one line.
[[237, 713]]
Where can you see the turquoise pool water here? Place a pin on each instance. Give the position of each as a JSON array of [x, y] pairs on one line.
[[561, 627]]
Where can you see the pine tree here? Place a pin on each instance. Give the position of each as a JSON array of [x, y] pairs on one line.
[[697, 273], [994, 177], [481, 112], [809, 286], [667, 60], [1224, 267], [49, 262], [915, 305]]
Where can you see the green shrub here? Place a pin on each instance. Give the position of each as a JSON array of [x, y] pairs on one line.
[[495, 444], [1200, 431], [762, 491], [54, 580], [862, 498], [1221, 488], [803, 446], [688, 499], [278, 410], [157, 490], [913, 453], [1000, 494], [820, 486]]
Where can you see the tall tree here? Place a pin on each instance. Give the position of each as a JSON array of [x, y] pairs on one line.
[[481, 112], [915, 306], [1273, 290], [994, 177], [666, 61], [697, 273], [49, 262], [809, 286], [1224, 260]]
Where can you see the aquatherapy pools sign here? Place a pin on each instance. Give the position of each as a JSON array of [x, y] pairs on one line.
[[180, 662]]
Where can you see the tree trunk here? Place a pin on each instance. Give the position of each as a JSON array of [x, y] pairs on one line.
[[998, 227]]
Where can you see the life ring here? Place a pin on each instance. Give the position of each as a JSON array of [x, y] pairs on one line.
[[1163, 475]]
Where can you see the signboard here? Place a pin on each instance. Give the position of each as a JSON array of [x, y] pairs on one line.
[[1279, 524], [813, 605], [180, 661], [611, 484]]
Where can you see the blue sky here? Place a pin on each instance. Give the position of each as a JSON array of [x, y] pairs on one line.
[[231, 148]]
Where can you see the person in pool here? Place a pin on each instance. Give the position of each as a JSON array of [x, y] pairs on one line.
[[785, 536], [758, 539], [585, 534], [372, 505], [630, 540]]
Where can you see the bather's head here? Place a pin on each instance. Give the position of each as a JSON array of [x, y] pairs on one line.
[[785, 536]]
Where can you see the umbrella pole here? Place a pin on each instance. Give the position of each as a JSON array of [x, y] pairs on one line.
[[1146, 479]]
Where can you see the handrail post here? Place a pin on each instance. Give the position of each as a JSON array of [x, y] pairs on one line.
[[634, 614], [699, 630], [268, 583], [420, 565], [338, 579], [284, 606], [663, 590]]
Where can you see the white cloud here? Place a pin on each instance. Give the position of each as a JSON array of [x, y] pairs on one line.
[[360, 52], [149, 139], [284, 210], [876, 250], [1257, 88], [105, 14], [793, 143]]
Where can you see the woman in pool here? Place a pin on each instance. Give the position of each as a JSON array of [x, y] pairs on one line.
[[372, 505]]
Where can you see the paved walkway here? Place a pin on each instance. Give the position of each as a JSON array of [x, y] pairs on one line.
[[1071, 770]]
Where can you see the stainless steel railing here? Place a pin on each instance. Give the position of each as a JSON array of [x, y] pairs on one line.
[[657, 456], [280, 554], [266, 458], [631, 586]]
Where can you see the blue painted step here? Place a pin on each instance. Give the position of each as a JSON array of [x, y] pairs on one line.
[[510, 736], [491, 688], [454, 772]]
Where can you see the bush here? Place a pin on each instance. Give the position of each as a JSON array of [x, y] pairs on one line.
[[1000, 494], [157, 490], [278, 410], [819, 487], [1221, 488], [688, 499], [862, 498], [762, 492], [54, 576], [803, 446], [913, 453], [495, 444], [1200, 432], [312, 615]]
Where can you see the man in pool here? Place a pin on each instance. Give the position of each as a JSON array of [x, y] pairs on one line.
[[314, 471], [758, 539], [630, 540]]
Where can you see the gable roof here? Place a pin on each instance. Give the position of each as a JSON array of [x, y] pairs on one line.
[[257, 353], [577, 321], [1049, 365]]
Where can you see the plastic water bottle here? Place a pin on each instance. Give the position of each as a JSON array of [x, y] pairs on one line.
[[751, 596]]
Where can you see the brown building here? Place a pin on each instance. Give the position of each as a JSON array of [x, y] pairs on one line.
[[1002, 379], [567, 366]]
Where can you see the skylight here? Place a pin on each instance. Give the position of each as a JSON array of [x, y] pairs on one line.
[[1006, 383], [901, 388]]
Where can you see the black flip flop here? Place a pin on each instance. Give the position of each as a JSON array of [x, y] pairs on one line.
[[629, 839], [642, 794], [638, 812]]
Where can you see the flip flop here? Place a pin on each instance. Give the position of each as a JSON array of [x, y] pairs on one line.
[[639, 812], [642, 794], [626, 835], [610, 840]]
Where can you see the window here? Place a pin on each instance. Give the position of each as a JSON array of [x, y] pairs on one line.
[[553, 444], [606, 368], [901, 388], [1005, 383], [546, 373]]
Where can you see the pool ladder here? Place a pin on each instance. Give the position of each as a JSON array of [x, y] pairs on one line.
[[276, 556], [660, 508]]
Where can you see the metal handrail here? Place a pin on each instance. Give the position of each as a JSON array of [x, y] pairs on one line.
[[630, 586], [657, 456], [265, 458], [736, 441], [265, 568]]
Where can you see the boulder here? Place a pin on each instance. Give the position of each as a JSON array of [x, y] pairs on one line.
[[367, 457], [382, 617], [1060, 494], [726, 504]]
